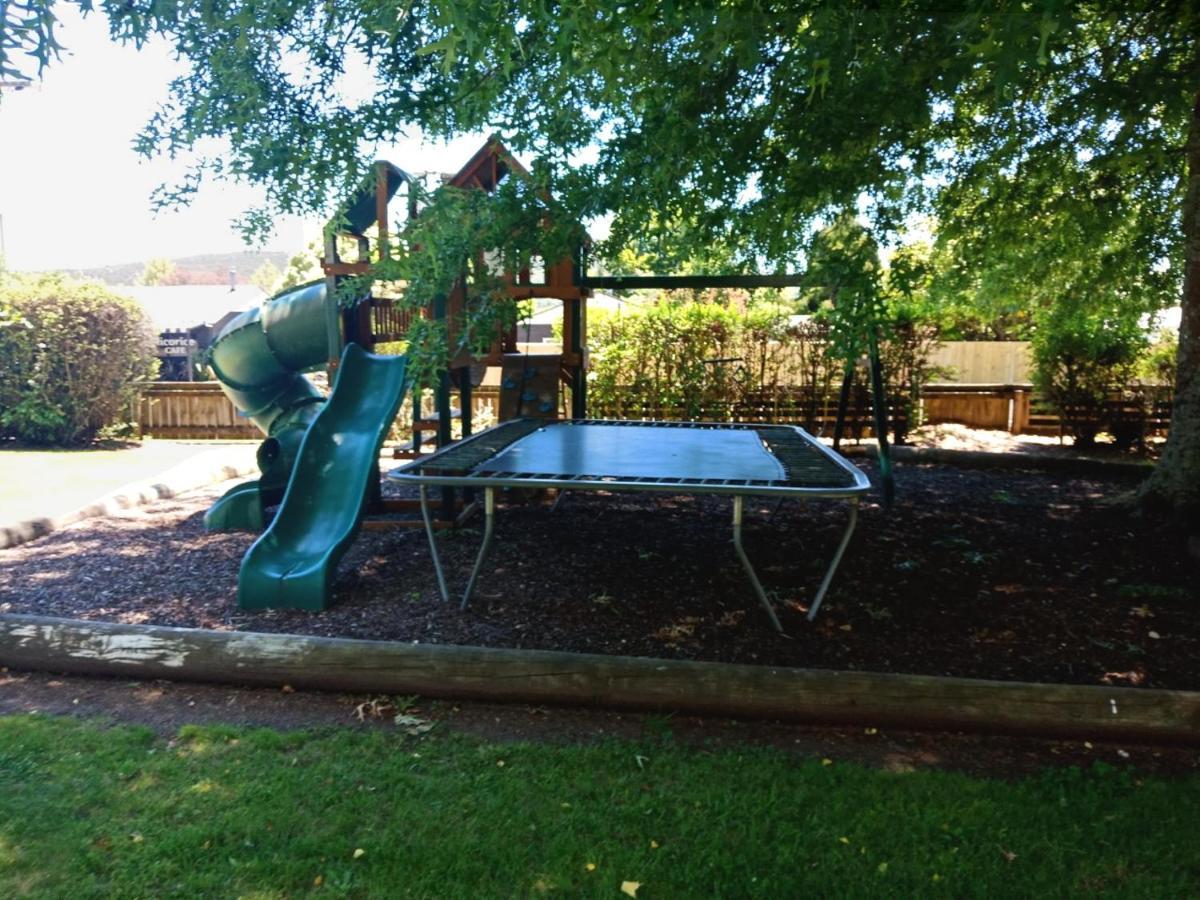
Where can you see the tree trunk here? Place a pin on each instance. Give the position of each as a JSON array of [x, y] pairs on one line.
[[1175, 484]]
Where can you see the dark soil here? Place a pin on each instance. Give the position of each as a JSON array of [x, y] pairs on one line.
[[1016, 575]]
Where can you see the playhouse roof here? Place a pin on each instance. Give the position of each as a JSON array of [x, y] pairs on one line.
[[488, 166]]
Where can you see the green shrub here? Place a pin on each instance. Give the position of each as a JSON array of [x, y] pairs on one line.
[[71, 354], [1158, 365], [643, 362], [703, 360], [1085, 354]]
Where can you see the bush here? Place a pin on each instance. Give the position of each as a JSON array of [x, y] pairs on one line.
[[1158, 365], [702, 360], [1084, 355], [71, 355], [661, 358]]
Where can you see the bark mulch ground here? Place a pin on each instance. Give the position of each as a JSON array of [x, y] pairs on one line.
[[1012, 575]]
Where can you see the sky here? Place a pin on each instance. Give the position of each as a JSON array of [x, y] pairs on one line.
[[73, 194]]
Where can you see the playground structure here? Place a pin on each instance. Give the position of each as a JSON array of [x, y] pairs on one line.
[[319, 461]]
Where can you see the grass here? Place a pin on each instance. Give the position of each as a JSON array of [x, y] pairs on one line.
[[93, 811], [50, 483]]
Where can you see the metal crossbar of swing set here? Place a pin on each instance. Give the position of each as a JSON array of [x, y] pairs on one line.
[[736, 460]]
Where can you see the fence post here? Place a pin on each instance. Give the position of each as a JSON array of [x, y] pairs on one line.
[[1020, 413]]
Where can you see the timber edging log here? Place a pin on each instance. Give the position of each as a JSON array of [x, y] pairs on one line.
[[539, 676]]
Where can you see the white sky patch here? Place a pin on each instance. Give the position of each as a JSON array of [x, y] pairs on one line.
[[73, 194]]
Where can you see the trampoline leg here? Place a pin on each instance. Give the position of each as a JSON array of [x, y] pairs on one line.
[[837, 558], [557, 500], [741, 552], [433, 550], [489, 521]]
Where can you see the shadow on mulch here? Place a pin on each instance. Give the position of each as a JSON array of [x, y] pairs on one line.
[[1011, 575]]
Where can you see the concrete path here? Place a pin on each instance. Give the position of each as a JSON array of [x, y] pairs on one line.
[[47, 490]]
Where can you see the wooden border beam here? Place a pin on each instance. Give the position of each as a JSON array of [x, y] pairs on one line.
[[687, 282], [538, 676]]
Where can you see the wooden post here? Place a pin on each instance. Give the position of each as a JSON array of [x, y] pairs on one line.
[[381, 208], [574, 325], [1021, 407], [332, 319], [466, 403]]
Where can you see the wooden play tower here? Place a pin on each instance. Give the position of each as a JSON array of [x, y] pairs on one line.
[[530, 382]]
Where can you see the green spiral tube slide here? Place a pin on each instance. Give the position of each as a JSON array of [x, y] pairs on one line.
[[259, 358], [319, 455]]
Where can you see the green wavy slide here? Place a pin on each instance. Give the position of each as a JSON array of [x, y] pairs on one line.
[[319, 456], [293, 563]]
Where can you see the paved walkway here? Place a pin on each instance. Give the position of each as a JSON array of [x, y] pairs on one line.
[[51, 483]]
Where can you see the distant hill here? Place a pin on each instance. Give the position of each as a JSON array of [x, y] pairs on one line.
[[204, 268]]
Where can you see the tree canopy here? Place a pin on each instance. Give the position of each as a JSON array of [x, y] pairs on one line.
[[1049, 139], [741, 121]]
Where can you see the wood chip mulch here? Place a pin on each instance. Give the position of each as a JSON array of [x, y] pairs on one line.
[[1009, 575]]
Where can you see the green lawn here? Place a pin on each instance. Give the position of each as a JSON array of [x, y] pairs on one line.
[[91, 811], [50, 483]]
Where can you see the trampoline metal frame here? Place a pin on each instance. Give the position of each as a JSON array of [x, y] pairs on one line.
[[432, 472]]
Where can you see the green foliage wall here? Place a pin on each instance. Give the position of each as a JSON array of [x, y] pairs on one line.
[[657, 357], [703, 360], [71, 354], [1084, 353]]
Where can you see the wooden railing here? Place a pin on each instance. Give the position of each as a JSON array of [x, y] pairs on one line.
[[389, 322]]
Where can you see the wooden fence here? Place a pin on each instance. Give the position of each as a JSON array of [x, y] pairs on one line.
[[201, 410], [1015, 408], [815, 411], [197, 409], [984, 362]]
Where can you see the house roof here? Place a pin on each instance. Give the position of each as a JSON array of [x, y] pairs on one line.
[[187, 305]]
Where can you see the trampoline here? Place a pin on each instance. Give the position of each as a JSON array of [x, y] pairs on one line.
[[736, 460]]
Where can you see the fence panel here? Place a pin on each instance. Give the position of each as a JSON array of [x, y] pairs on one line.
[[190, 410], [984, 362]]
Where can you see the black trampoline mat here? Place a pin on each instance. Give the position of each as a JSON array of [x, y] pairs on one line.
[[578, 449]]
